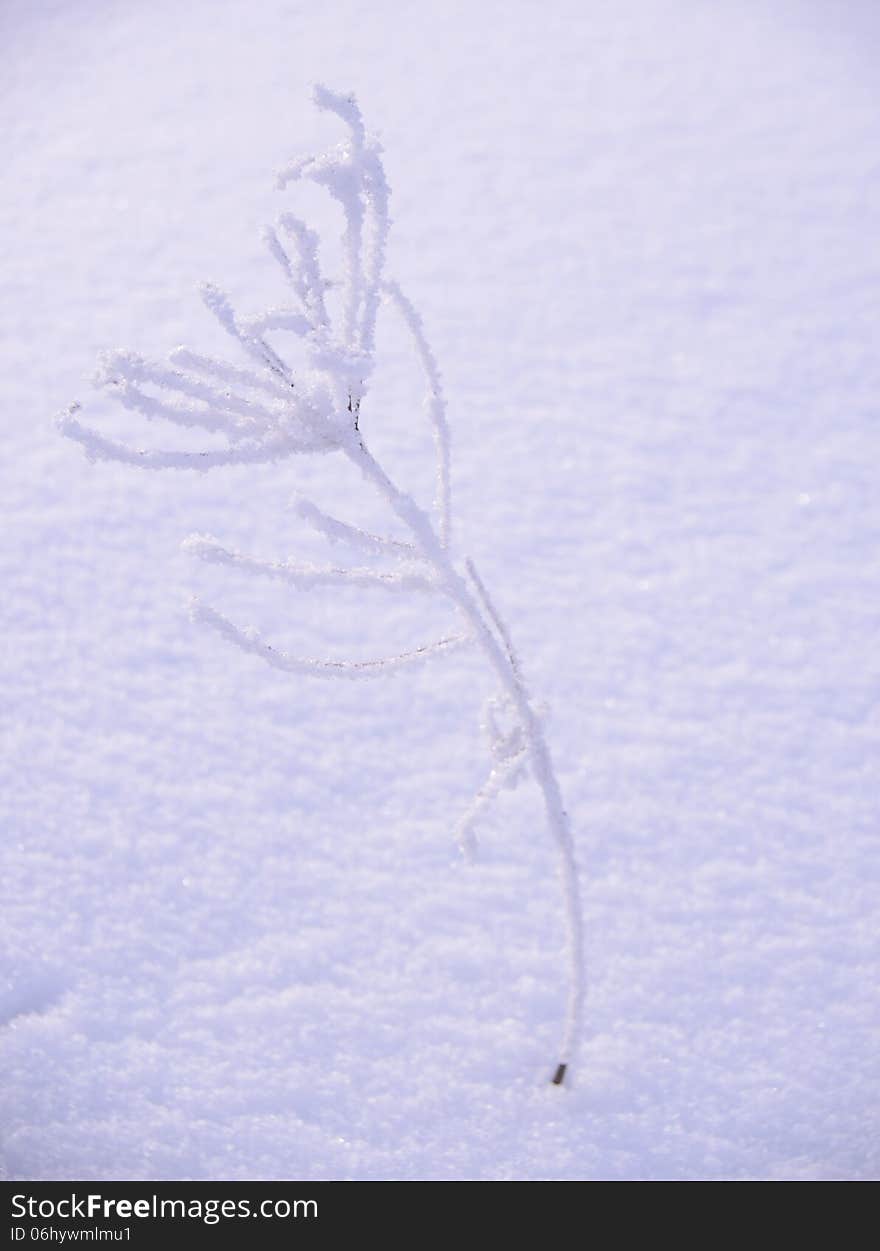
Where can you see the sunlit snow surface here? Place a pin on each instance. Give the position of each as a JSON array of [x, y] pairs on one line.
[[237, 939]]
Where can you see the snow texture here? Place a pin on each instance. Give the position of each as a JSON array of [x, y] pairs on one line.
[[237, 937]]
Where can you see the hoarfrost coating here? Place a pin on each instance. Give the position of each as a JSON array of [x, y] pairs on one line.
[[319, 408], [236, 939]]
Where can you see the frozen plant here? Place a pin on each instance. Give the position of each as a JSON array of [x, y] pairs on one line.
[[269, 411]]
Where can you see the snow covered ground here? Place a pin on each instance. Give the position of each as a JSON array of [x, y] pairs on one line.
[[237, 939]]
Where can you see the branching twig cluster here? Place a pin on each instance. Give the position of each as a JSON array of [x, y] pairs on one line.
[[268, 411]]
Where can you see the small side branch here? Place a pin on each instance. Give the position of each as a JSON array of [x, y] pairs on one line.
[[505, 774], [375, 191], [304, 577], [275, 319], [217, 302], [215, 421], [230, 375], [191, 407], [250, 640], [303, 269], [435, 404], [97, 447], [340, 532], [117, 367]]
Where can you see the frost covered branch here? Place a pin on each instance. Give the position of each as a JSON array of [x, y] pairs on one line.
[[271, 410], [341, 532], [304, 577], [250, 641]]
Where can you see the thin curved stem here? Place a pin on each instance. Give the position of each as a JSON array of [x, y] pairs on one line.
[[536, 745]]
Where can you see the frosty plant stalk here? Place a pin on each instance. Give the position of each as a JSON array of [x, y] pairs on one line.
[[269, 411]]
